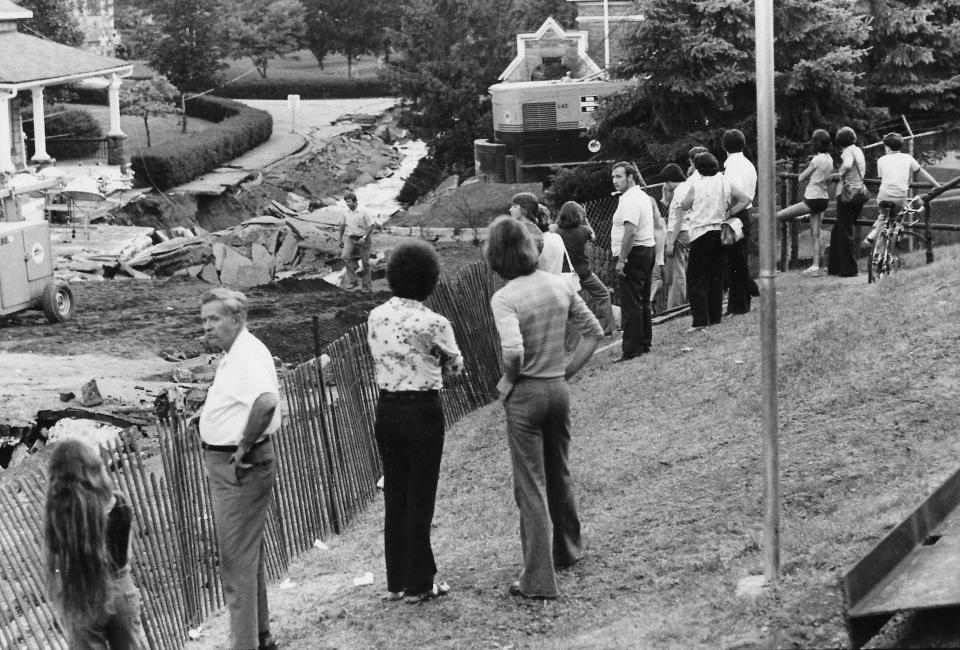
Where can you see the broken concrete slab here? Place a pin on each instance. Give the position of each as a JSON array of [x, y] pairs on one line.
[[287, 252], [209, 274], [253, 275], [90, 394], [232, 263], [219, 254]]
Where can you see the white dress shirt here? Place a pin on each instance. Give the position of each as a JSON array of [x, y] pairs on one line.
[[742, 174], [245, 373]]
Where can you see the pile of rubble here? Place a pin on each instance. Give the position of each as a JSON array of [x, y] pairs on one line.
[[254, 252]]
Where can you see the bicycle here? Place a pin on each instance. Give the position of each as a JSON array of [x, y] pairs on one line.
[[886, 253]]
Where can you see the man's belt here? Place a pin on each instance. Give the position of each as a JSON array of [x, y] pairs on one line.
[[232, 448], [408, 395]]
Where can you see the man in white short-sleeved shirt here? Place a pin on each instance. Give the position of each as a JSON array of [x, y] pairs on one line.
[[240, 414], [636, 240]]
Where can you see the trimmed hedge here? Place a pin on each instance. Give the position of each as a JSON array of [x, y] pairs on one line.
[[239, 128], [317, 88]]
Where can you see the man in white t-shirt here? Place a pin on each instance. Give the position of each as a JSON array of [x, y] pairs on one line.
[[743, 175], [635, 239], [236, 422], [896, 170], [356, 225]]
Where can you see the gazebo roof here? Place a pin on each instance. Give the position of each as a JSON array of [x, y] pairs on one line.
[[27, 60]]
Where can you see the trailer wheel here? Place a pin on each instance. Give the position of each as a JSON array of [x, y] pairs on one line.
[[57, 302]]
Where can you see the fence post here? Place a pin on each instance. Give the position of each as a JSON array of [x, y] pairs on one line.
[[927, 232], [793, 228]]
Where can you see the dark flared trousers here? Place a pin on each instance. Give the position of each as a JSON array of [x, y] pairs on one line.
[[842, 259], [705, 279], [738, 272], [635, 312], [409, 430]]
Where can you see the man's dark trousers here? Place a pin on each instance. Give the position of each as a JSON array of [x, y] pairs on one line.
[[738, 272], [635, 312]]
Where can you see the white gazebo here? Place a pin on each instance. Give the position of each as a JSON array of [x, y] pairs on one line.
[[31, 63]]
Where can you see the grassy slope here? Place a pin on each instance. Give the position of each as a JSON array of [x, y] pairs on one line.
[[163, 128], [666, 456]]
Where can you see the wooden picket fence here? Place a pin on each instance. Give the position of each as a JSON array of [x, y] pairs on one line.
[[327, 469]]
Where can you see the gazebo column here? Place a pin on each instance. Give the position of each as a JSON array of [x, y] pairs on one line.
[[6, 141], [115, 150], [40, 154]]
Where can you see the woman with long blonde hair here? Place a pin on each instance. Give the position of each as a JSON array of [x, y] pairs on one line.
[[87, 534]]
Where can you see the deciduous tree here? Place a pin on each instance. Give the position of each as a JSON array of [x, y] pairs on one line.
[[263, 30], [191, 47], [320, 37], [53, 19], [148, 98]]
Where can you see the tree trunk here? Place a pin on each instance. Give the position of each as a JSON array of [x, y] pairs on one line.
[[146, 126], [349, 66], [261, 65]]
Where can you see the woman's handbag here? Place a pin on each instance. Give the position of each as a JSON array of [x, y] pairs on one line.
[[849, 195], [570, 277], [731, 231]]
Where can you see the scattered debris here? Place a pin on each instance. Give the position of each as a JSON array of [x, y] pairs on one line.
[[365, 579]]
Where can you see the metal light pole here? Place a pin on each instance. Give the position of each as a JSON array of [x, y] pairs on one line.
[[766, 199], [606, 36]]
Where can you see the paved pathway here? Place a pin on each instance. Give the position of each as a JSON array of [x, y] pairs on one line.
[[314, 118]]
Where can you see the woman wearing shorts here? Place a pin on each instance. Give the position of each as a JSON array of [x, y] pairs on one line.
[[816, 197]]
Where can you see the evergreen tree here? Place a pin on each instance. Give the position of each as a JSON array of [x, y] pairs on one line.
[[914, 60], [191, 46], [53, 19], [693, 62]]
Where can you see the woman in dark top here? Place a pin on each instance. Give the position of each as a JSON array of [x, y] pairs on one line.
[[87, 535], [576, 232]]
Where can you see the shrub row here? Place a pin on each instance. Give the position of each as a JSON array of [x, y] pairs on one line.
[[238, 129], [71, 134], [318, 88]]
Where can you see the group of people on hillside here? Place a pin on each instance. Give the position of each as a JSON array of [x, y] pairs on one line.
[[547, 333], [896, 170]]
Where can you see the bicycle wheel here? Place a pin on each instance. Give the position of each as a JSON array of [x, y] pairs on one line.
[[878, 266], [910, 241]]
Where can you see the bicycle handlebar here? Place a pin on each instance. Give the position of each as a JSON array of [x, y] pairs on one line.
[[937, 191]]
